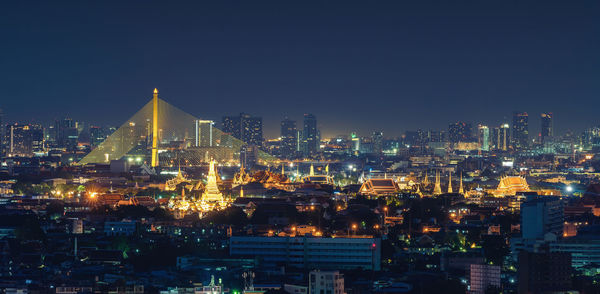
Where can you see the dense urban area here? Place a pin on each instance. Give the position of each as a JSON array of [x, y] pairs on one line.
[[169, 203]]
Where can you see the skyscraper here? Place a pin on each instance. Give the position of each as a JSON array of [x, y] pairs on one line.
[[377, 140], [483, 137], [204, 133], [460, 132], [547, 129], [310, 136], [289, 133], [244, 127], [66, 133], [500, 137], [520, 130], [24, 140], [232, 126]]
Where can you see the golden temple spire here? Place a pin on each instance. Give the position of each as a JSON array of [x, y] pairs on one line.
[[327, 169], [426, 180], [450, 182], [282, 169], [460, 187], [312, 170], [437, 190], [242, 192]]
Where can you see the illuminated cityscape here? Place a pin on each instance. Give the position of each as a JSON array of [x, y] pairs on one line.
[[314, 148]]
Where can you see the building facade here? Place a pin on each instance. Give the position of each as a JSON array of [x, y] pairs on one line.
[[311, 252]]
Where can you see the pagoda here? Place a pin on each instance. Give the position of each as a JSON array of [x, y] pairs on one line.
[[211, 192]]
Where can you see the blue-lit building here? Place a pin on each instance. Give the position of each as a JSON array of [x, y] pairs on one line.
[[310, 252]]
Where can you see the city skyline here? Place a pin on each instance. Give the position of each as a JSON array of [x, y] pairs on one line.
[[396, 66], [273, 131]]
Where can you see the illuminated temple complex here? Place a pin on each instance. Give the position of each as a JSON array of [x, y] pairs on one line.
[[510, 185]]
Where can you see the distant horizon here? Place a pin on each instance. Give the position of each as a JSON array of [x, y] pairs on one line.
[[271, 130]]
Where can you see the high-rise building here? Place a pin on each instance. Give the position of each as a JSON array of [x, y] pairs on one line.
[[244, 127], [541, 215], [289, 137], [483, 137], [355, 142], [484, 276], [500, 137], [97, 135], [460, 132], [24, 140], [203, 133], [544, 272], [249, 155], [310, 135], [377, 140], [520, 130], [325, 282], [547, 129], [232, 126], [66, 133]]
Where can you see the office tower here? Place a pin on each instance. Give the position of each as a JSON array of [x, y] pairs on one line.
[[520, 130], [355, 142], [24, 140], [377, 140], [310, 136], [460, 132], [541, 215], [483, 137], [203, 130], [289, 139], [329, 282], [66, 133], [435, 136], [484, 276], [244, 127], [500, 137], [97, 135], [547, 129], [252, 131], [249, 155], [544, 272], [232, 126]]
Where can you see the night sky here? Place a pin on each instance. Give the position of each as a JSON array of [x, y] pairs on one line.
[[390, 65]]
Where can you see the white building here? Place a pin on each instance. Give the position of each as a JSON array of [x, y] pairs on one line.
[[321, 282]]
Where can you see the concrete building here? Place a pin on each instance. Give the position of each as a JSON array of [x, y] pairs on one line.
[[541, 215], [484, 276], [583, 248], [325, 282], [124, 228], [544, 272], [311, 252]]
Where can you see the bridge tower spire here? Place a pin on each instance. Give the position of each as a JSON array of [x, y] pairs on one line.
[[155, 128]]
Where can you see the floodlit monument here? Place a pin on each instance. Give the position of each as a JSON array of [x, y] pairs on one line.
[[211, 192]]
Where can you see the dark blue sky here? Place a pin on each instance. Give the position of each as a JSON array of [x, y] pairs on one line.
[[391, 65]]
